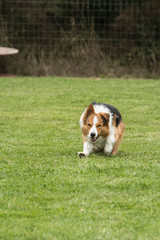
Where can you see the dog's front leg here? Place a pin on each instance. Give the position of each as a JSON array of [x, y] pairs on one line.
[[109, 145], [87, 150]]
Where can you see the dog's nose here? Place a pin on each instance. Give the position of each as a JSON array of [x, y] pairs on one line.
[[93, 134]]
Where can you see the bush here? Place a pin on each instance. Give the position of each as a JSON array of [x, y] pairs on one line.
[[124, 33]]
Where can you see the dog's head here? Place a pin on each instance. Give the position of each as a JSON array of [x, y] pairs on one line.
[[95, 125]]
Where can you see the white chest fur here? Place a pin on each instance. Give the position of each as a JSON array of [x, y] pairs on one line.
[[102, 144]]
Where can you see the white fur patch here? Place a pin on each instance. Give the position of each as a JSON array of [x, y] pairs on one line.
[[101, 108], [94, 129]]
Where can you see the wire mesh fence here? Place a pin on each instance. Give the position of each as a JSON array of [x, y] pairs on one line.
[[125, 31]]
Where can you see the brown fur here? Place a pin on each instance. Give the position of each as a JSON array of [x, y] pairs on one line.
[[90, 111], [88, 122], [119, 132], [102, 124]]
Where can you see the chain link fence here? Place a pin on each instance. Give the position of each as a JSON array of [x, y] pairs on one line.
[[81, 37]]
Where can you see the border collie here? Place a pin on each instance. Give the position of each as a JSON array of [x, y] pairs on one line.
[[102, 129]]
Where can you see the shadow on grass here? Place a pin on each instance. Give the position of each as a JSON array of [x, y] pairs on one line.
[[118, 155]]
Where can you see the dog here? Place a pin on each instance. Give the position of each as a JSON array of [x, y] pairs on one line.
[[102, 129]]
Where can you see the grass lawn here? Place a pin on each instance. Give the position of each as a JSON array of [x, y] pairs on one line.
[[47, 192]]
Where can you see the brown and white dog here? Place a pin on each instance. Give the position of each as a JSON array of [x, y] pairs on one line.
[[102, 129]]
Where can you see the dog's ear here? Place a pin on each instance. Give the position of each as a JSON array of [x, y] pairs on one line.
[[89, 111], [105, 117]]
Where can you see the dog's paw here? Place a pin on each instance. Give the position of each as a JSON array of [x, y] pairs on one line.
[[81, 154]]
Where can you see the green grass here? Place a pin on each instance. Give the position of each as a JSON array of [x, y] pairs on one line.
[[47, 192]]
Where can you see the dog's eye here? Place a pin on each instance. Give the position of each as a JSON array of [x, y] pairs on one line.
[[89, 125], [99, 125]]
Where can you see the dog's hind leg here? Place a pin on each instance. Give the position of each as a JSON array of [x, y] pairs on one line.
[[118, 137]]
